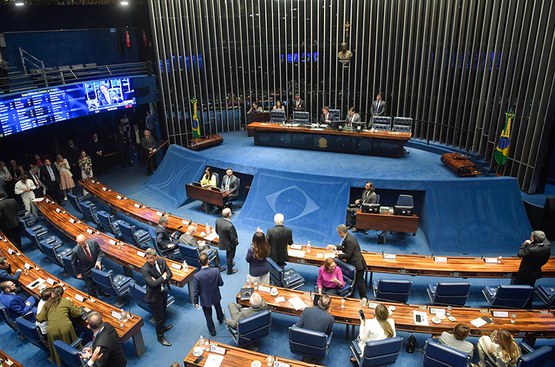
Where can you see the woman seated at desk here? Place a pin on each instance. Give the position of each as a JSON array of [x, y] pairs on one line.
[[380, 327], [278, 106], [255, 108], [208, 179], [330, 277]]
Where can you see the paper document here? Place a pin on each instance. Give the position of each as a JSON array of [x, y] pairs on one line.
[[212, 236], [38, 200], [327, 255], [296, 247], [296, 253], [478, 322], [214, 360], [420, 318], [297, 303]]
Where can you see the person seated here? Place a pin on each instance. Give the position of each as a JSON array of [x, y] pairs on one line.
[[254, 108], [317, 318], [500, 348], [6, 271], [14, 303], [278, 106], [368, 196], [380, 327], [230, 185], [208, 179], [164, 240], [352, 116], [189, 239], [326, 117], [330, 277], [457, 340], [238, 312]]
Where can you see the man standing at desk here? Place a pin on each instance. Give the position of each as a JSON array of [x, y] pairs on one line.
[[368, 196], [230, 184], [279, 237], [86, 255], [352, 254], [378, 106], [228, 238], [535, 253], [9, 221]]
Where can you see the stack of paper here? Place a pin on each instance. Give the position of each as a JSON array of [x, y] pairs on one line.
[[478, 322], [212, 236], [214, 360], [297, 303], [296, 253]]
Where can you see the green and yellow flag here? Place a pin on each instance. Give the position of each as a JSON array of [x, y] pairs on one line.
[[195, 124], [502, 151]]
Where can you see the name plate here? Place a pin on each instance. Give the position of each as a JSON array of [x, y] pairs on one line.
[[159, 214], [185, 222], [490, 260], [116, 315], [218, 350], [89, 231], [10, 251], [104, 189], [119, 197], [137, 205], [50, 281], [27, 266], [440, 259], [176, 266], [141, 254], [112, 242], [93, 181], [500, 314], [296, 247], [281, 364], [58, 210], [71, 220], [79, 298], [389, 256], [437, 311]]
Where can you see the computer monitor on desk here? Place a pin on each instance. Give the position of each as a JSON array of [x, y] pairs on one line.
[[338, 124], [301, 117], [402, 210], [370, 208], [277, 116]]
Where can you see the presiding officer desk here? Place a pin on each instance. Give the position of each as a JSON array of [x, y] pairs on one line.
[[130, 257], [531, 323], [455, 266], [143, 213], [366, 142], [33, 276], [239, 357]]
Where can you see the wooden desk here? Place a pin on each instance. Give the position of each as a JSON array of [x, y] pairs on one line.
[[387, 222], [124, 254], [6, 358], [131, 329], [239, 357], [206, 194], [380, 143], [205, 142], [460, 164], [422, 265], [137, 210], [537, 323]]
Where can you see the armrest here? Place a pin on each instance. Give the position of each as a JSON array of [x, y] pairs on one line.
[[526, 348], [77, 343]]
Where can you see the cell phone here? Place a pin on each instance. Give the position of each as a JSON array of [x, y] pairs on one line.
[[418, 318], [361, 313], [487, 319], [198, 360]]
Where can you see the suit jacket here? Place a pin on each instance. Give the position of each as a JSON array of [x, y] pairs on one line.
[[207, 286], [351, 252], [279, 237], [45, 176], [534, 256], [8, 214], [354, 118], [232, 185], [155, 282], [96, 147], [243, 313], [324, 120], [148, 143], [315, 319], [192, 241], [227, 233], [15, 304], [110, 344], [377, 110], [80, 261], [301, 106], [368, 197], [6, 274], [162, 237], [39, 190]]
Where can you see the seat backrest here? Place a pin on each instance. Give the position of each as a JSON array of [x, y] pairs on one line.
[[66, 261], [439, 355], [51, 253], [69, 355], [307, 337], [189, 254], [139, 293], [74, 202], [276, 272], [394, 286], [537, 358], [104, 280], [31, 332], [7, 317], [514, 292], [378, 197], [347, 269], [217, 175], [405, 200], [259, 320], [452, 289], [381, 352], [104, 218], [127, 229]]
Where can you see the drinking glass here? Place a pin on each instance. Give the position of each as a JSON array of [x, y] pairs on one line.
[[342, 302], [269, 361], [513, 318]]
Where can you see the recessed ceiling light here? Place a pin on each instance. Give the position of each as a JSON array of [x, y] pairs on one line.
[[19, 3], [124, 3]]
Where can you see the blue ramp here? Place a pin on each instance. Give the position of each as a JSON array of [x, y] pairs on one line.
[[166, 187], [313, 205]]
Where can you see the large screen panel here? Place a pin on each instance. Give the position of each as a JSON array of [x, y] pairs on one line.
[[35, 108]]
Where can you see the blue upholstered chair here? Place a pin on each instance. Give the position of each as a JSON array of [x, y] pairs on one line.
[[377, 352], [66, 263], [348, 272], [32, 333], [39, 233], [252, 328], [173, 253], [8, 319], [191, 254], [131, 234], [110, 223], [452, 294], [69, 354], [309, 343], [529, 358], [89, 211], [116, 286], [74, 201], [284, 278], [54, 251], [439, 355], [392, 290], [139, 293], [405, 200], [546, 294], [28, 220], [509, 296]]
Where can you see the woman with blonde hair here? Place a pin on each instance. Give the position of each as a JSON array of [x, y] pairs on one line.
[[378, 328], [500, 348], [66, 177]]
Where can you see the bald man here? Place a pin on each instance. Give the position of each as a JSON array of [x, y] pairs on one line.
[[228, 238], [86, 255]]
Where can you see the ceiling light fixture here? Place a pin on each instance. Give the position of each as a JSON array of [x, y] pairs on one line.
[[124, 3], [19, 3]]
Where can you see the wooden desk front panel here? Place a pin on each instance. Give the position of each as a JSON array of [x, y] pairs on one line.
[[207, 195], [143, 214], [528, 322], [387, 222], [18, 261], [120, 252]]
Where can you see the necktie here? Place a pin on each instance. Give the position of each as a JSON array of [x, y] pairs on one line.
[[88, 252], [52, 177], [37, 181], [159, 272]]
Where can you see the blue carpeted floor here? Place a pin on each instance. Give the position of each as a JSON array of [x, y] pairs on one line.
[[309, 172]]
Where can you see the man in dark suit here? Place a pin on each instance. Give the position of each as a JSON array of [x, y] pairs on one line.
[[228, 238], [317, 318], [97, 156], [298, 103], [6, 271], [535, 253], [106, 338], [149, 148], [165, 242], [352, 254], [207, 292], [14, 303], [9, 222], [50, 177], [377, 108], [326, 117], [279, 237], [230, 184], [157, 276], [34, 175], [368, 196], [85, 256]]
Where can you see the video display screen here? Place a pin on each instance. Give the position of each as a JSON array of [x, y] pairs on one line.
[[35, 108]]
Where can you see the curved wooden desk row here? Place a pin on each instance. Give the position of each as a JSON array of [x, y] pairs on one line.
[[32, 273], [8, 361], [143, 213], [538, 323], [130, 257], [445, 266], [239, 357]]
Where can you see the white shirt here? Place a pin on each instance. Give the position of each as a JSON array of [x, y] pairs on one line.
[[372, 330]]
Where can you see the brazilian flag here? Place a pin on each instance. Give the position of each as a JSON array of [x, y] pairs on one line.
[[502, 151], [195, 124]]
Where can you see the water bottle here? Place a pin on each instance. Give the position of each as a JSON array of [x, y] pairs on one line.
[[201, 342], [208, 229], [248, 283], [308, 247], [185, 265]]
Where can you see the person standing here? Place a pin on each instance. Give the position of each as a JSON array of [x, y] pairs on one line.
[[378, 106], [352, 254], [228, 238], [107, 339], [136, 139], [207, 292], [259, 269], [66, 177], [9, 221], [98, 155], [149, 148], [535, 253], [34, 174], [317, 318], [25, 187], [279, 237], [85, 256], [50, 177], [157, 276]]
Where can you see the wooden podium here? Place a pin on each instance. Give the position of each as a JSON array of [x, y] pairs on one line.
[[205, 142], [460, 164]]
